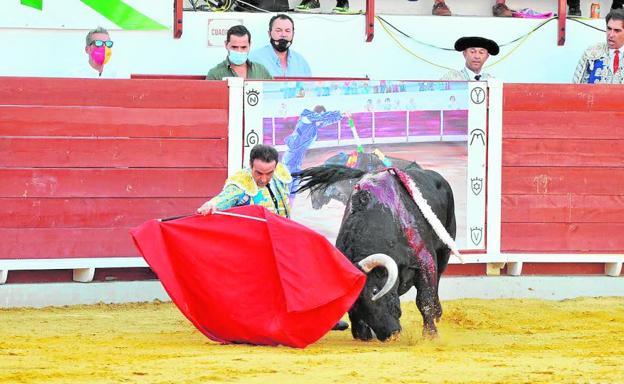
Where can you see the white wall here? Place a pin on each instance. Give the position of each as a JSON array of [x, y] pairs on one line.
[[334, 46], [74, 14]]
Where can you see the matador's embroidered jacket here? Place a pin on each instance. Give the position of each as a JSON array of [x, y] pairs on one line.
[[594, 67], [241, 189]]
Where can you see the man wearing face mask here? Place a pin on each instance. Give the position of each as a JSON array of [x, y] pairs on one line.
[[98, 48], [237, 64], [476, 51], [277, 57]]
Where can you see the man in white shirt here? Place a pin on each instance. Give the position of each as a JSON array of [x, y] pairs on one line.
[[476, 51], [603, 63]]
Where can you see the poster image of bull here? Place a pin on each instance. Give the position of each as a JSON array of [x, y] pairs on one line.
[[367, 125]]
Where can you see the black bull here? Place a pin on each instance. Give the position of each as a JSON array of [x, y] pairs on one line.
[[381, 216], [366, 161]]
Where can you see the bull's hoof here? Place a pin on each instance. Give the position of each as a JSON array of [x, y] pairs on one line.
[[395, 336], [438, 312], [430, 333], [341, 326]]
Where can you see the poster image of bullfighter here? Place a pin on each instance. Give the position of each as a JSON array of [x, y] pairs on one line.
[[302, 137], [408, 215]]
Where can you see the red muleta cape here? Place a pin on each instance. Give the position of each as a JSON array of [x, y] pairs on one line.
[[240, 280]]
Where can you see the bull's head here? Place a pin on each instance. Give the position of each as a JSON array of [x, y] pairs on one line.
[[378, 302], [369, 226], [381, 260]]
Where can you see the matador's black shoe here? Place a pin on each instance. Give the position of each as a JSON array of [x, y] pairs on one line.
[[341, 326]]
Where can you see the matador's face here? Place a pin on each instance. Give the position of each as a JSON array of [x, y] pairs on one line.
[[262, 172]]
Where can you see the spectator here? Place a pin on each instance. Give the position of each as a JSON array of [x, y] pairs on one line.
[[574, 7], [278, 58], [476, 51], [364, 89], [342, 6], [387, 104], [236, 64], [283, 110], [452, 102], [98, 48], [499, 9], [602, 63]]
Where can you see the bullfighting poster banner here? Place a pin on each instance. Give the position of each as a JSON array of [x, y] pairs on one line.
[[371, 125], [253, 113], [476, 165]]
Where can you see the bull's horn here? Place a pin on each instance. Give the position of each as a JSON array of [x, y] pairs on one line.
[[381, 260]]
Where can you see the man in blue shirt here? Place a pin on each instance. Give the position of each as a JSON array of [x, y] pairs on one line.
[[278, 58]]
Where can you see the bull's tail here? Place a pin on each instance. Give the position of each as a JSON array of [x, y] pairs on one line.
[[319, 178], [426, 210]]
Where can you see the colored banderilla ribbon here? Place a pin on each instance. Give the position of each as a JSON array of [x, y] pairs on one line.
[[360, 148]]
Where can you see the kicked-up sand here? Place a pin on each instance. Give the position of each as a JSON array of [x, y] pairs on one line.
[[481, 341]]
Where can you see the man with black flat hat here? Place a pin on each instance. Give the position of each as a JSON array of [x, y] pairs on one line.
[[476, 51]]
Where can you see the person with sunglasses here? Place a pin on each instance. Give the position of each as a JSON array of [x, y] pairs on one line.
[[98, 47]]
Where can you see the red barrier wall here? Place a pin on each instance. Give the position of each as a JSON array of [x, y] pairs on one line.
[[563, 169], [82, 161]]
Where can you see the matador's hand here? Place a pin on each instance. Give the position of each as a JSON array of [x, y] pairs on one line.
[[206, 208]]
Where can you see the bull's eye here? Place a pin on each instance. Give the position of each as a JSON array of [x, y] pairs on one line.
[[375, 290]]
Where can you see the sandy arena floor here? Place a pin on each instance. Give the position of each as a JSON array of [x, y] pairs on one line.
[[482, 341]]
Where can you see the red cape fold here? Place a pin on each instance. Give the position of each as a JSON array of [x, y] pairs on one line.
[[240, 280]]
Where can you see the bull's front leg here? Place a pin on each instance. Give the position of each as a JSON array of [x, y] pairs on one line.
[[426, 292]]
